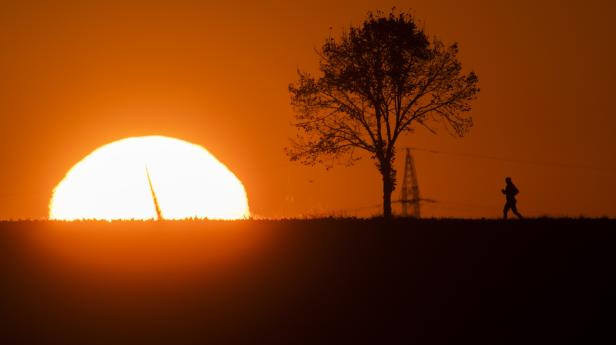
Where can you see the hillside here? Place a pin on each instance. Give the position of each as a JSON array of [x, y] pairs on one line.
[[543, 281]]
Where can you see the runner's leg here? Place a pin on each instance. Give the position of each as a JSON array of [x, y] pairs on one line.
[[506, 210], [514, 208]]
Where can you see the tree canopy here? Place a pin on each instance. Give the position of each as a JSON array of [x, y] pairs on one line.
[[377, 82]]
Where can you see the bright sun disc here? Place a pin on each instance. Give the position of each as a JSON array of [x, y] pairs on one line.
[[112, 183]]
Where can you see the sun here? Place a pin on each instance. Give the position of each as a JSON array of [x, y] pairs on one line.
[[150, 177]]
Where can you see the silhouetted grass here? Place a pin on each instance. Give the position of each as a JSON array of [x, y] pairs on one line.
[[322, 281]]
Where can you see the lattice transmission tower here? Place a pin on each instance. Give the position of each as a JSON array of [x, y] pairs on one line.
[[410, 188]]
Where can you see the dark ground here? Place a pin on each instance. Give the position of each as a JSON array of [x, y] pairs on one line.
[[538, 281]]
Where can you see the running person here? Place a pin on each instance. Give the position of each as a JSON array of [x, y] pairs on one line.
[[510, 192]]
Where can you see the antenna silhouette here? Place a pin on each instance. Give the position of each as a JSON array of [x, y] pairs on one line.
[[159, 214], [410, 188]]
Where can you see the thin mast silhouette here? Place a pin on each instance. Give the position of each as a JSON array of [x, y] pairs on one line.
[[410, 188], [159, 214]]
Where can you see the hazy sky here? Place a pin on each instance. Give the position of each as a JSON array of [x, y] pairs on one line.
[[75, 77]]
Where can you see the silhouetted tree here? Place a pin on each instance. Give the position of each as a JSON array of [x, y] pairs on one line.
[[377, 81]]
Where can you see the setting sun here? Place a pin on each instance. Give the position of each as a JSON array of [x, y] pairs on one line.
[[149, 178]]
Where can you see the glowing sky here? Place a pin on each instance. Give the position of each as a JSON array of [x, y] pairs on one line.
[[78, 76]]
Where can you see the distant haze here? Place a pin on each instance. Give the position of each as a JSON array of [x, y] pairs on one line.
[[78, 76]]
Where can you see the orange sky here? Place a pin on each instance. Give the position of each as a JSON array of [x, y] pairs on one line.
[[74, 77]]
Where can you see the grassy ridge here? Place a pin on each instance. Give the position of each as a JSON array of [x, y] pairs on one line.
[[319, 281]]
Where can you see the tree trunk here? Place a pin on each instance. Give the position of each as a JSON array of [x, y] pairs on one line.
[[388, 187]]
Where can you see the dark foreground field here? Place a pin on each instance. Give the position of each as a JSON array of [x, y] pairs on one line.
[[318, 281]]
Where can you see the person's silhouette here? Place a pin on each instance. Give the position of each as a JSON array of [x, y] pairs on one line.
[[510, 192]]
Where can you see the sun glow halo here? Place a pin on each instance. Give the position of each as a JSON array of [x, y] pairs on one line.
[[112, 183]]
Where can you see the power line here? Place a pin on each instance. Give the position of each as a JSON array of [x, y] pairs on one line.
[[510, 160]]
